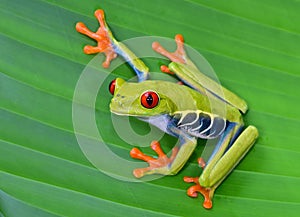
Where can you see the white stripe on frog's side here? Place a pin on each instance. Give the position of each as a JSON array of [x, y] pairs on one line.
[[214, 133], [208, 128], [183, 115], [198, 128], [200, 124]]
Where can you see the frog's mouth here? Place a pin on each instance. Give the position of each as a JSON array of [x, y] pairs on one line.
[[121, 113], [117, 108], [127, 113]]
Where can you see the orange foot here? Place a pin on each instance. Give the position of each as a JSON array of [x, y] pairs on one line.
[[103, 36], [201, 162], [178, 56], [156, 165], [193, 191]]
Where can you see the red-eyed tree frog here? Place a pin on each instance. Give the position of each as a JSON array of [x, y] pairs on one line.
[[183, 111]]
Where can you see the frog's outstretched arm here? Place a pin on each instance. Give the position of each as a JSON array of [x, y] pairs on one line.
[[186, 70], [108, 45]]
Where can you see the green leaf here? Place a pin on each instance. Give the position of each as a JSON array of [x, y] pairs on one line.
[[254, 47]]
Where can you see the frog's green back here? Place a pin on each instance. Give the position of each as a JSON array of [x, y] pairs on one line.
[[208, 102]]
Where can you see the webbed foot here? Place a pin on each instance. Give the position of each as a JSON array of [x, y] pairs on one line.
[[197, 188], [159, 165], [178, 56], [103, 36]]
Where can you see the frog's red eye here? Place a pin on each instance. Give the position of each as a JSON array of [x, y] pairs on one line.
[[112, 86], [149, 99]]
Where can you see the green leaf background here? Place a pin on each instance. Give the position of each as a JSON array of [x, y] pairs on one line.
[[254, 47]]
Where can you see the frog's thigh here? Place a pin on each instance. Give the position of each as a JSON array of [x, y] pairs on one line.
[[233, 156]]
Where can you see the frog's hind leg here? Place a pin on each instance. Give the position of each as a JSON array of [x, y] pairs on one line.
[[218, 168], [231, 158]]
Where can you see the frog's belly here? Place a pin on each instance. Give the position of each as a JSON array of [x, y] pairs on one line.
[[200, 124]]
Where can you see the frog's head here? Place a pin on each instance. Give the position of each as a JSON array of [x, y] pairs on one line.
[[139, 99]]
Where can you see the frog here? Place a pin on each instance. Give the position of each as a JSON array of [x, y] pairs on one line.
[[182, 110]]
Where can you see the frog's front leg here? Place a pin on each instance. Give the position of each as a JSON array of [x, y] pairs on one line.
[[163, 164], [103, 37], [186, 71], [107, 44], [222, 161]]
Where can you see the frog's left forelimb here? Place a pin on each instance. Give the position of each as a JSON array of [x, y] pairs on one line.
[[107, 44]]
